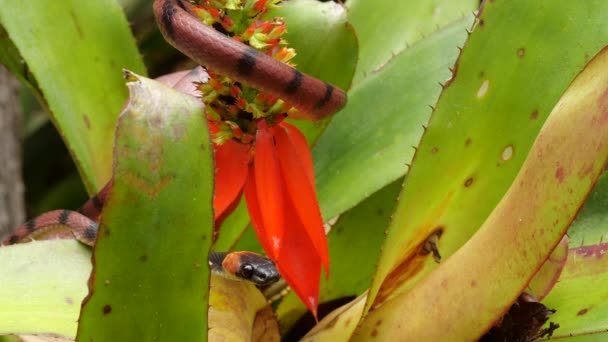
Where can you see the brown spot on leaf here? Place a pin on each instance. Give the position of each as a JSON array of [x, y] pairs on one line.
[[481, 74], [467, 142], [434, 150], [413, 258], [77, 25], [406, 269], [107, 309], [143, 258], [374, 333], [473, 283], [560, 173], [444, 283], [156, 120], [534, 115], [468, 182], [481, 22], [87, 122], [586, 171], [69, 300], [379, 322], [347, 322], [151, 188], [582, 312], [521, 52]]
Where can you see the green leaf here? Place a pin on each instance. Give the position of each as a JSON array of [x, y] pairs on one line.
[[472, 288], [486, 120], [151, 272], [386, 28], [591, 225], [76, 50], [43, 283], [579, 297], [381, 121]]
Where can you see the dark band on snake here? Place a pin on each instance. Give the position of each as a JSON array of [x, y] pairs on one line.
[[167, 17], [30, 225], [64, 216], [295, 83], [247, 61], [329, 89]]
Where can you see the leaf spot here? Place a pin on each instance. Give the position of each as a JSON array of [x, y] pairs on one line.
[[521, 52], [507, 153], [483, 90], [534, 115], [468, 182], [560, 173], [107, 309], [582, 312], [87, 122]]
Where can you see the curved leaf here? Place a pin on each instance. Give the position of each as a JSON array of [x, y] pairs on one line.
[[484, 125], [239, 312], [579, 297], [151, 269], [77, 66], [380, 122], [563, 165]]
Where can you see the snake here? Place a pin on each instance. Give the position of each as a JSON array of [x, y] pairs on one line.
[[63, 224], [212, 49]]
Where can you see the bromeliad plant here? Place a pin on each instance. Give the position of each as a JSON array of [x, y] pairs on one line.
[[514, 144]]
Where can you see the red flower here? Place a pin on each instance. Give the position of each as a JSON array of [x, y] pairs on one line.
[[279, 186]]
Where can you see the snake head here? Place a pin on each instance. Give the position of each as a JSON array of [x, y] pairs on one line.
[[251, 267]]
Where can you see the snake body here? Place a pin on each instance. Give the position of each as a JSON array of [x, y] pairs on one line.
[[62, 224], [210, 48]]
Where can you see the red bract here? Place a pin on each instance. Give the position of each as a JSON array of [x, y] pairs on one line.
[[280, 191]]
